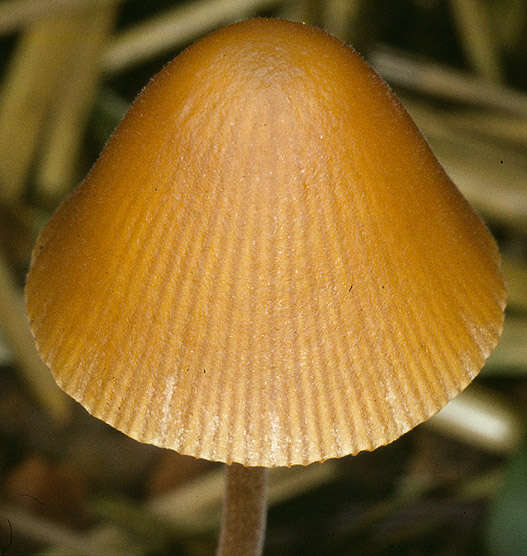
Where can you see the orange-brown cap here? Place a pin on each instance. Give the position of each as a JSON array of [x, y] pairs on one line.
[[266, 265]]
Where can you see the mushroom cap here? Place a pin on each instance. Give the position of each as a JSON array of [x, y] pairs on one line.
[[266, 265]]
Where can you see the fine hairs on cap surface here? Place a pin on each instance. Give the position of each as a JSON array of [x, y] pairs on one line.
[[266, 265]]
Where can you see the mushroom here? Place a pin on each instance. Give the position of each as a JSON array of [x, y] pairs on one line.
[[266, 266]]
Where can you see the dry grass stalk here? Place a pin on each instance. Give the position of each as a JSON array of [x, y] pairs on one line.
[[19, 13], [491, 179], [510, 357], [194, 507], [173, 28], [43, 530], [509, 19], [13, 325], [28, 90], [515, 271], [404, 70], [197, 504], [339, 16], [478, 37], [481, 418], [304, 11], [73, 101], [492, 125]]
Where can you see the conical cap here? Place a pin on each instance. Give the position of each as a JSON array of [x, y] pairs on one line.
[[266, 265]]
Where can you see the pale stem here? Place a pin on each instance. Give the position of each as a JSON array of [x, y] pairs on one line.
[[244, 511]]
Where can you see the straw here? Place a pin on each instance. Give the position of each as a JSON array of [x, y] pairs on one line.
[[304, 11], [481, 418], [478, 37], [492, 179], [163, 33], [404, 70], [515, 271], [339, 16], [19, 13], [510, 357], [73, 102], [14, 327], [28, 90]]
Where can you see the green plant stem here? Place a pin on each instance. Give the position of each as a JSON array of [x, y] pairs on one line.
[[244, 511]]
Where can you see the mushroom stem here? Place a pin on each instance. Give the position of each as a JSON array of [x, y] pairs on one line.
[[244, 511]]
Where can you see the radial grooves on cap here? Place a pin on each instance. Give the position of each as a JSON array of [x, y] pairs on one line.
[[211, 445], [155, 270], [159, 267], [250, 394], [326, 409], [314, 227], [376, 355], [154, 274], [381, 422], [256, 299], [412, 336], [439, 353], [224, 391], [238, 256], [376, 413], [340, 418], [445, 354], [133, 219], [79, 377], [135, 290], [301, 439], [484, 307], [374, 419], [216, 394], [311, 344], [281, 429], [195, 245]]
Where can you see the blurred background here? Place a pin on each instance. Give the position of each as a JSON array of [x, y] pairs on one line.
[[70, 485]]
